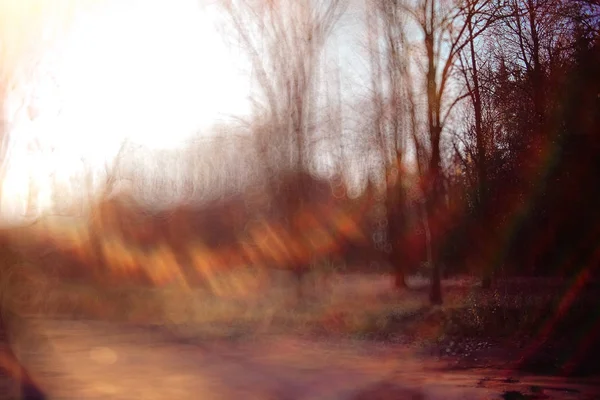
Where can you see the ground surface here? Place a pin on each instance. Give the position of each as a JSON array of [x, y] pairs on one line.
[[100, 360]]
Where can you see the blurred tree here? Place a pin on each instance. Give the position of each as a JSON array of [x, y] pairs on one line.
[[285, 41], [444, 30], [388, 53]]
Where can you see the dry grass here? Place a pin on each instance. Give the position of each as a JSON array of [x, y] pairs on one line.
[[244, 302], [241, 302]]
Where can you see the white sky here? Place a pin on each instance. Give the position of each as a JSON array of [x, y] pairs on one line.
[[156, 72]]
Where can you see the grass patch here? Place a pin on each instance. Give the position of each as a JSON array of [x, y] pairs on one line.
[[348, 306]]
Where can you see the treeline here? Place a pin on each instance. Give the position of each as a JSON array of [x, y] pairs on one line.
[[527, 160], [477, 130], [492, 105]]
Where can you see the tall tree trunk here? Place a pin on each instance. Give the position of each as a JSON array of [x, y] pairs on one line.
[[396, 232], [434, 171], [433, 203], [482, 178], [396, 255]]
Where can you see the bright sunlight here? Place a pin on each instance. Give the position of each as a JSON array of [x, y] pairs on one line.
[[83, 76]]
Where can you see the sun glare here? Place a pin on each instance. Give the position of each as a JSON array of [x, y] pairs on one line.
[[153, 72]]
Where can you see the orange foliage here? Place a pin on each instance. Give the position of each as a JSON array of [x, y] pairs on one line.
[[135, 244]]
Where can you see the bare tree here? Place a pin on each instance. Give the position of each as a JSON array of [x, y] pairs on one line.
[[479, 15], [535, 38], [284, 42], [522, 36], [444, 34], [388, 63]]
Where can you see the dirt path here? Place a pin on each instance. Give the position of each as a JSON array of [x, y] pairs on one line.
[[104, 361]]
